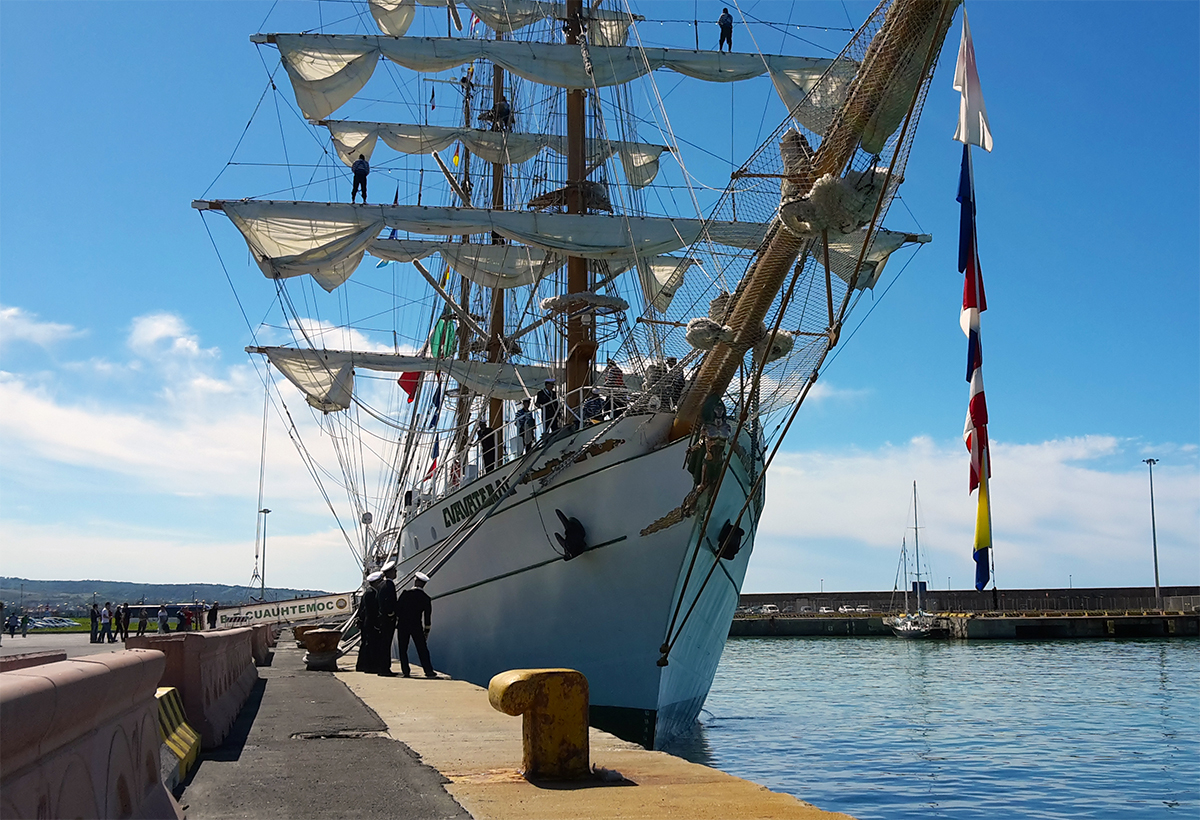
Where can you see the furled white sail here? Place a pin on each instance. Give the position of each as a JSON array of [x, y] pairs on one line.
[[393, 16], [605, 27], [844, 252], [326, 377], [493, 266], [327, 240], [660, 277], [327, 70], [352, 138]]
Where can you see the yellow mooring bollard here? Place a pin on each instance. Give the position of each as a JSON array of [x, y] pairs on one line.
[[554, 706]]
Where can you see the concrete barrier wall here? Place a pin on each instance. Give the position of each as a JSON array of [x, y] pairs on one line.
[[81, 739], [213, 671], [25, 660], [260, 644]]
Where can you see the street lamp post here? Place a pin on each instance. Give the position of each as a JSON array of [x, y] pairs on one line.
[[1158, 602], [263, 578]]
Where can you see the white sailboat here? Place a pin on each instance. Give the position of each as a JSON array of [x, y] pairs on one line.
[[617, 544], [919, 624]]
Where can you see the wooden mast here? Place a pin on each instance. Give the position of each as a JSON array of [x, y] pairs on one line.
[[581, 344], [495, 349]]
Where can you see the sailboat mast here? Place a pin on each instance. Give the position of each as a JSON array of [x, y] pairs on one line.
[[581, 346], [917, 544], [904, 561], [496, 323]]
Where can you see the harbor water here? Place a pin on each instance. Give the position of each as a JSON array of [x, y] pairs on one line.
[[893, 729]]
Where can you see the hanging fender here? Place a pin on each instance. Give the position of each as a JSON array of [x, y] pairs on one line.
[[573, 539]]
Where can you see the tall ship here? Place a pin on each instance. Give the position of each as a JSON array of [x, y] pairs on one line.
[[544, 383]]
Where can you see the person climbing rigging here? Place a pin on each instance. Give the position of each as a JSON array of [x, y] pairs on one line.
[[360, 168], [725, 21], [500, 115]]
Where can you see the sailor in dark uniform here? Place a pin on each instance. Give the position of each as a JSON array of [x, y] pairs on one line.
[[413, 605], [547, 400], [387, 620], [368, 626]]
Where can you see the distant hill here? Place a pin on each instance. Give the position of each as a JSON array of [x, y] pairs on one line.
[[77, 595]]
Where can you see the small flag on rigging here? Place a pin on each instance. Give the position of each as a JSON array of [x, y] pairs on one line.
[[432, 464], [973, 128], [408, 383]]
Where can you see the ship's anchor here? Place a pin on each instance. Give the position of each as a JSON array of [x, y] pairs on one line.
[[573, 539]]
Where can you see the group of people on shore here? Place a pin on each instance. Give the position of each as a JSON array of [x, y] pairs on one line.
[[110, 624], [382, 615]]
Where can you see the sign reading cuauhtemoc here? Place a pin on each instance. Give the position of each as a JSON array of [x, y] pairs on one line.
[[299, 609]]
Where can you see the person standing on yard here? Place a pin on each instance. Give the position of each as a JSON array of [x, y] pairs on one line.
[[361, 168], [212, 616], [163, 626], [725, 21], [143, 619], [25, 625], [125, 621], [95, 613]]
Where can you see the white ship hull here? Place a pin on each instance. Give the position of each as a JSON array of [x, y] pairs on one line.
[[506, 599]]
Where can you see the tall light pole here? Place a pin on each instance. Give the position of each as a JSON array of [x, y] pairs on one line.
[[822, 585], [1158, 602], [263, 578]]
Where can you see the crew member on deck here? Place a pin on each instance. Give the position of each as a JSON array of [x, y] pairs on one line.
[[526, 426], [547, 400], [487, 445], [725, 21], [413, 605], [387, 620], [360, 168], [614, 380], [593, 408]]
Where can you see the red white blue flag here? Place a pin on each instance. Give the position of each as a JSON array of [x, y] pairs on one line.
[[975, 431], [973, 129]]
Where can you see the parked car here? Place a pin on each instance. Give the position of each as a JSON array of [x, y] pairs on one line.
[[862, 609], [805, 609], [825, 610], [769, 609], [845, 609]]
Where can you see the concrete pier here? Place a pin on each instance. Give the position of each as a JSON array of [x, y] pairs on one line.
[[347, 744]]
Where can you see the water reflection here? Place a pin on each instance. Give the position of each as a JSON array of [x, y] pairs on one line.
[[693, 745]]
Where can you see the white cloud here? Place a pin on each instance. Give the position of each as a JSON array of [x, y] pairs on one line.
[[16, 325], [840, 515], [317, 560]]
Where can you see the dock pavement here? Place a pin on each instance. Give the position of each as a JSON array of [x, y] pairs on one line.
[[350, 745]]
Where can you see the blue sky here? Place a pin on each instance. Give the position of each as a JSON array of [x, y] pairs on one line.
[[132, 418]]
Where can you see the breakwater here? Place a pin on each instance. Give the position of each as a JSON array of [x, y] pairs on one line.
[[992, 626], [1175, 598]]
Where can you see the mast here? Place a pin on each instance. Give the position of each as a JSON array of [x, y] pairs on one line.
[[917, 544], [462, 414], [904, 561], [581, 345], [496, 323]]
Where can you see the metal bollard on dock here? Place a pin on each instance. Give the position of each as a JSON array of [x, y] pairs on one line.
[[553, 704]]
